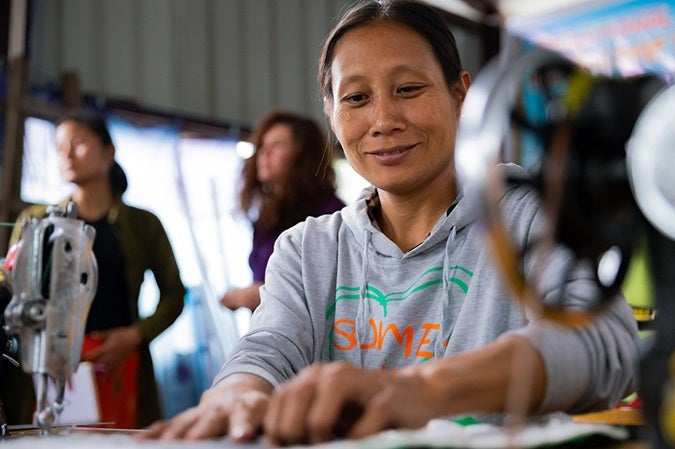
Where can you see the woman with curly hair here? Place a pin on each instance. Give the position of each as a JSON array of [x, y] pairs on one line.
[[289, 178]]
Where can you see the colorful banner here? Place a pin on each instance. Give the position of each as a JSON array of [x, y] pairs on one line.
[[614, 38]]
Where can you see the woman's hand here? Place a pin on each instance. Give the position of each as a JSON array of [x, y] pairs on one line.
[[333, 400], [116, 345], [328, 401], [234, 406], [248, 297]]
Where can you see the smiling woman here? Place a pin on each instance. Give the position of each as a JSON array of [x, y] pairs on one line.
[[392, 121], [390, 313]]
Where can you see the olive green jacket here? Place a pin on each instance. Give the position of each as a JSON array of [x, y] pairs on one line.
[[145, 246]]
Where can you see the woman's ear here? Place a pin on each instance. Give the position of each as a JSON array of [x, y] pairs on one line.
[[110, 152], [461, 87]]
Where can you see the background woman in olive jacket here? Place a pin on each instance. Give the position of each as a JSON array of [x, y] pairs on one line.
[[128, 242]]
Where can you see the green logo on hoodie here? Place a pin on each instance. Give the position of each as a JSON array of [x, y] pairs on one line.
[[431, 277], [345, 326]]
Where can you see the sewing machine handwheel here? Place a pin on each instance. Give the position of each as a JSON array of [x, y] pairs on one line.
[[580, 126]]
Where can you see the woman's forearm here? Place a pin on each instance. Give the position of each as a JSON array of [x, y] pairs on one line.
[[505, 376]]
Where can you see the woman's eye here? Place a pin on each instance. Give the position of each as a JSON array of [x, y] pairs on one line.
[[409, 89], [355, 98]]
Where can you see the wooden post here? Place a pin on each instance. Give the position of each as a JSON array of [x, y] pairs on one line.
[[12, 157], [70, 88]]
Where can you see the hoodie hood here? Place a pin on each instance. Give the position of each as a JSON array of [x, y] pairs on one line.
[[367, 232], [463, 213]]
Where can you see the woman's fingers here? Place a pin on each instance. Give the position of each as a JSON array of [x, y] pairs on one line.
[[246, 416], [340, 397], [212, 422], [337, 400], [286, 418], [320, 404], [173, 429], [234, 407]]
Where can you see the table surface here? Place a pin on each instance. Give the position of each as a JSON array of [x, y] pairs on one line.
[[101, 438]]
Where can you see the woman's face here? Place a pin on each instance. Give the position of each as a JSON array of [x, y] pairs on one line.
[[81, 154], [276, 155], [392, 110]]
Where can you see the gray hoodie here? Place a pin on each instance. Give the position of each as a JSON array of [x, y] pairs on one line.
[[338, 289]]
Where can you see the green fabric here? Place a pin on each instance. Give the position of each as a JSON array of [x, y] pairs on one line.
[[145, 246], [466, 421]]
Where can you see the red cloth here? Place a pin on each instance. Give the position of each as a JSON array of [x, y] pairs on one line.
[[117, 391]]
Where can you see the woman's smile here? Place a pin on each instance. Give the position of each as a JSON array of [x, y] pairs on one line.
[[393, 155]]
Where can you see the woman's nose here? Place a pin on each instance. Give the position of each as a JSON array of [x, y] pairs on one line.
[[263, 150], [387, 116], [66, 150]]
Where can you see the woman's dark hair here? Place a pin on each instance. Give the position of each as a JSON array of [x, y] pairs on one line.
[[95, 122], [312, 176], [427, 21]]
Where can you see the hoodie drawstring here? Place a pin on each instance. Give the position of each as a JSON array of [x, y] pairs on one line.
[[446, 257], [364, 309], [445, 316]]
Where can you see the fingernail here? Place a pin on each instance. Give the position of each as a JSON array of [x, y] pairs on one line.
[[237, 432]]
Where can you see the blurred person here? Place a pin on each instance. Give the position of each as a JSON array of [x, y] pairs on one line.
[[128, 242], [392, 312], [289, 177]]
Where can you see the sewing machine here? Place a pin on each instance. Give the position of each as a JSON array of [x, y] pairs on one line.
[[53, 277], [604, 173]]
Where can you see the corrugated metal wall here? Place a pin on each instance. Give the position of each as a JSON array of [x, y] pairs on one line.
[[228, 60]]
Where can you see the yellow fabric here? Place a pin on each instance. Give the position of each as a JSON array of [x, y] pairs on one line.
[[637, 287]]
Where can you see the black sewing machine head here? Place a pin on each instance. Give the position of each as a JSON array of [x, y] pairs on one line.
[[601, 154]]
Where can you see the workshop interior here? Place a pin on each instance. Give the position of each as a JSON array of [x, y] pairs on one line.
[[578, 92]]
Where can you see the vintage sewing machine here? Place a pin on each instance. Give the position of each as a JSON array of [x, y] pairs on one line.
[[53, 278], [604, 172]]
